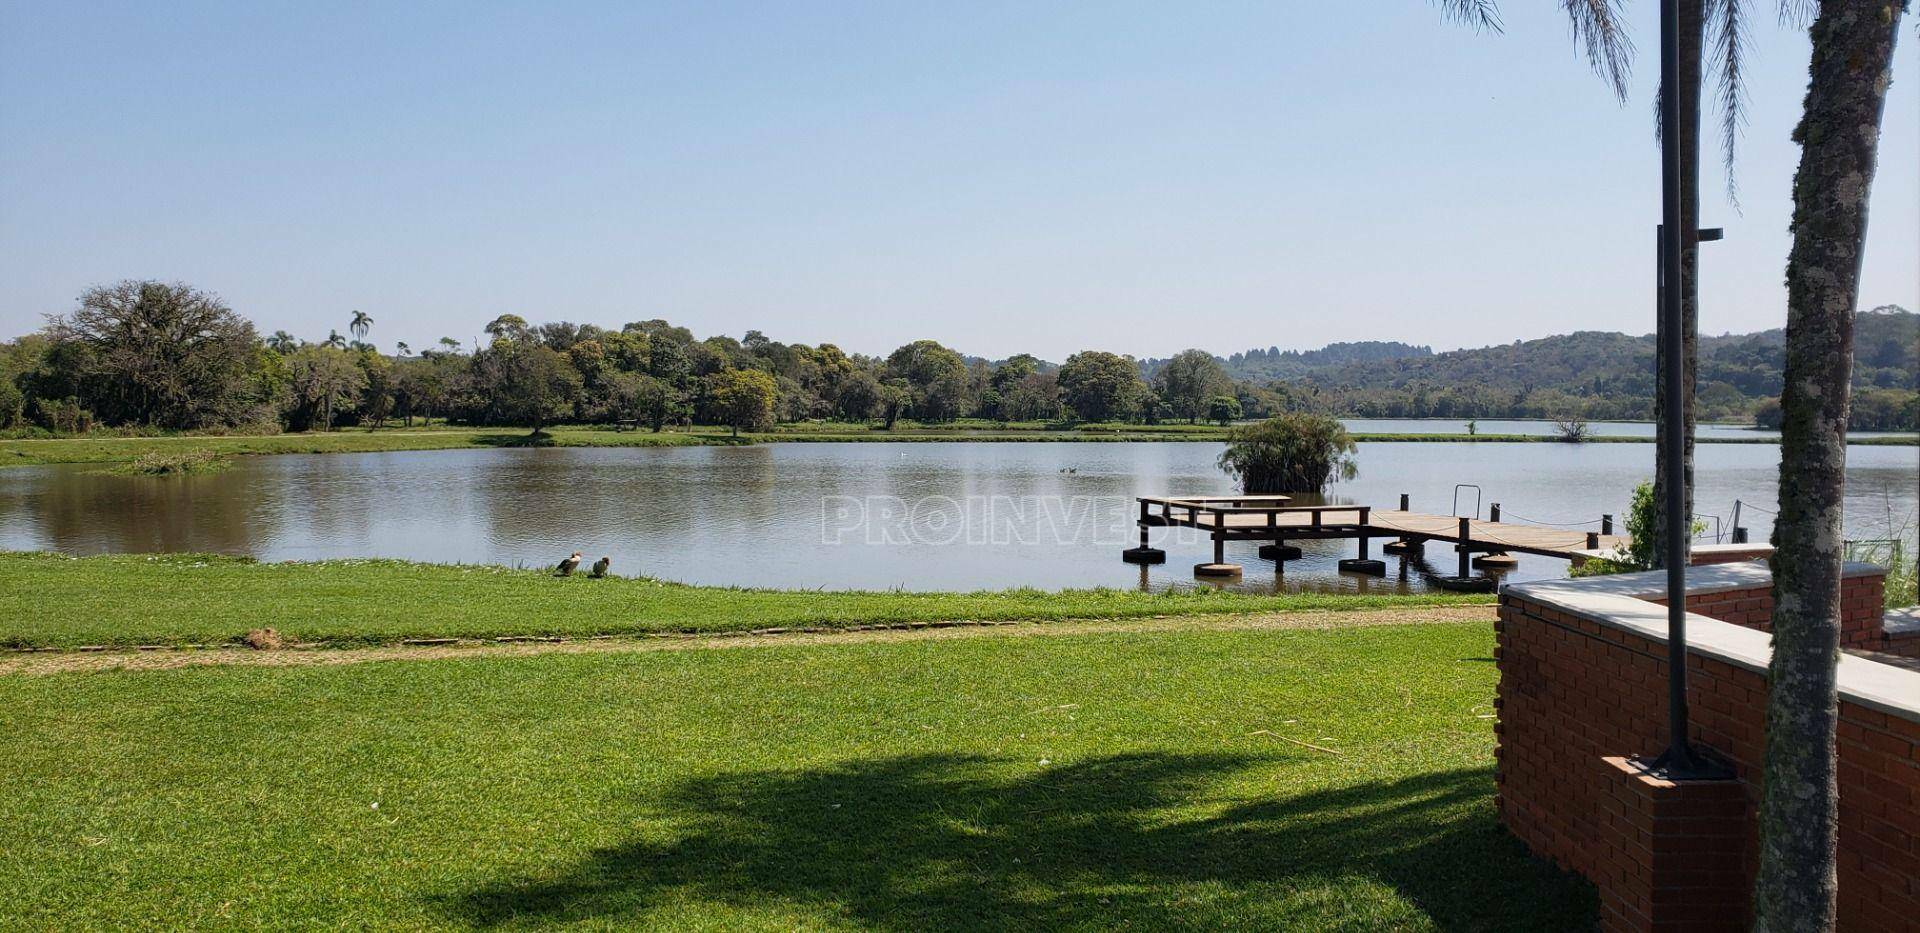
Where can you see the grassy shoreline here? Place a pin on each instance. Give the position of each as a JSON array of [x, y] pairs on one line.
[[50, 600], [91, 449], [1112, 781]]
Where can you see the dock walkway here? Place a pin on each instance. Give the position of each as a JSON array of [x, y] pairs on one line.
[[1274, 519]]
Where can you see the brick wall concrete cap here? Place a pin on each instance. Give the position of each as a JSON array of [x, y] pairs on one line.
[[1711, 578], [1754, 550], [1899, 623], [1620, 601]]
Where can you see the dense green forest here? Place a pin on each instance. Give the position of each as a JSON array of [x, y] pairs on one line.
[[153, 356]]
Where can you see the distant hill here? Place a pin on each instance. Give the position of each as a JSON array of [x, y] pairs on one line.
[[1597, 374], [1275, 363]]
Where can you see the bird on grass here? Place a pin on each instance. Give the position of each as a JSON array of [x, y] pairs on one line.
[[568, 566], [600, 568]]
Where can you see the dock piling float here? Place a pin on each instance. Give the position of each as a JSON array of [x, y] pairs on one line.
[[1404, 544], [1496, 560], [1219, 567], [1279, 552], [1144, 554], [1365, 562]]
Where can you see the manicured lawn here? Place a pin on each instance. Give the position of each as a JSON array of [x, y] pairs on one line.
[[1122, 780], [50, 600]]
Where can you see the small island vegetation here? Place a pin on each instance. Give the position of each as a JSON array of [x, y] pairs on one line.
[[1290, 453]]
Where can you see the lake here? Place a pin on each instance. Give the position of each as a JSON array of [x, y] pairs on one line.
[[1542, 428], [927, 516]]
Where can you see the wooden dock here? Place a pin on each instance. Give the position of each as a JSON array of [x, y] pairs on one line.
[[1276, 520]]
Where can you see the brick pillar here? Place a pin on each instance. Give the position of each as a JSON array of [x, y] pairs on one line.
[[1672, 855], [1862, 609]]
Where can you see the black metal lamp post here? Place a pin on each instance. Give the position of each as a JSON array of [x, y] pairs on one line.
[[1679, 761]]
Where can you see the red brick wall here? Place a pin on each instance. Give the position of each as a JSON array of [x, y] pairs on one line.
[[1573, 692], [1674, 851], [1907, 645], [1862, 605]]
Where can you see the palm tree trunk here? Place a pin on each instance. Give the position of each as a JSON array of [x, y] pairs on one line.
[[1839, 133], [1692, 41]]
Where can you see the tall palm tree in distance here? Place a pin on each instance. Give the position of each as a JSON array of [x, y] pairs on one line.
[[1839, 135], [360, 324]]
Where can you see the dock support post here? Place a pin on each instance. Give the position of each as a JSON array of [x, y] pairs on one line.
[[1496, 560], [1144, 554], [1593, 541], [1464, 582], [1219, 567], [1403, 545]]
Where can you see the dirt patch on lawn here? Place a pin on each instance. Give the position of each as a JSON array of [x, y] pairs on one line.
[[299, 656]]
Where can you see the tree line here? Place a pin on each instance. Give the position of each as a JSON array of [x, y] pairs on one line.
[[170, 357]]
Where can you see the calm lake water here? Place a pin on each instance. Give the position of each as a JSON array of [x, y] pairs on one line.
[[1541, 428], [1537, 427], [859, 515]]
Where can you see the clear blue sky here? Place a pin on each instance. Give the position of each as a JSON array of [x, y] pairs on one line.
[[1000, 177]]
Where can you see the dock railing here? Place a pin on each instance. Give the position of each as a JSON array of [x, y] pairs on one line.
[[1219, 507]]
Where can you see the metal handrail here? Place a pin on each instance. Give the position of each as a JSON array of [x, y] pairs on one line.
[[1476, 498]]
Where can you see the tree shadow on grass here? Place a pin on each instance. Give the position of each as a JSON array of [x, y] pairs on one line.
[[945, 842]]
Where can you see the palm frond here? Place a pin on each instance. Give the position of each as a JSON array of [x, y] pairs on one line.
[[1479, 14], [1601, 31], [1726, 45], [1798, 14]]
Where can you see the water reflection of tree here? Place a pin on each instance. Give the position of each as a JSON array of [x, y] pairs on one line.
[[634, 505], [81, 509]]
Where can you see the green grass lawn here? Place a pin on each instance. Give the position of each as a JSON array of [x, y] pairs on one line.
[[1118, 780], [52, 600]]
